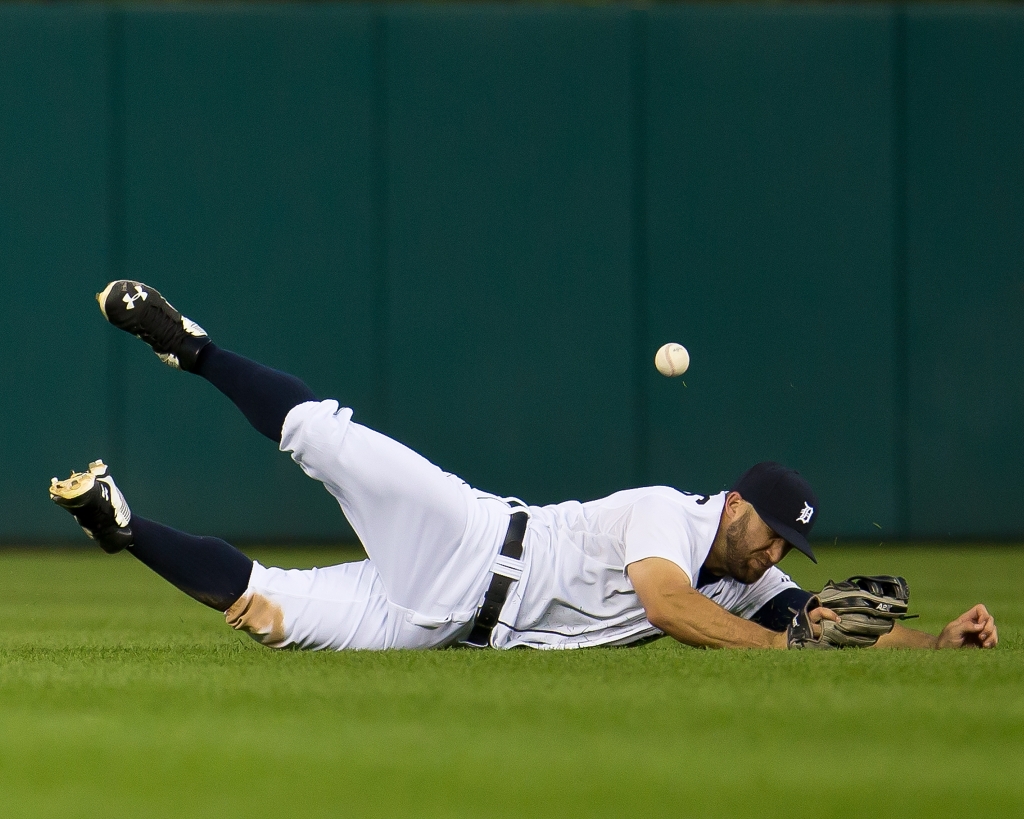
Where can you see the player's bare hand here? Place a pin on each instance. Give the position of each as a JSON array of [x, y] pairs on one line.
[[972, 629], [819, 614]]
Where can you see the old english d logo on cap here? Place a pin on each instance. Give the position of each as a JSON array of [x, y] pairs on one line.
[[783, 499]]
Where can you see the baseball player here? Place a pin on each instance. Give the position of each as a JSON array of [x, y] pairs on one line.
[[452, 565]]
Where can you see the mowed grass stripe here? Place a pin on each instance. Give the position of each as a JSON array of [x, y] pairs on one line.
[[121, 697]]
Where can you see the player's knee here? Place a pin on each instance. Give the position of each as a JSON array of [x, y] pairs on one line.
[[260, 618]]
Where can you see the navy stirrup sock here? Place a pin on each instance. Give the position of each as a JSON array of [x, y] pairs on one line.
[[265, 396], [207, 569]]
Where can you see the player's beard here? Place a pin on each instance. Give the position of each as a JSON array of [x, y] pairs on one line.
[[737, 552]]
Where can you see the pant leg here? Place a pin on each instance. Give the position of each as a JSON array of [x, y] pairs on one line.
[[431, 537], [334, 608]]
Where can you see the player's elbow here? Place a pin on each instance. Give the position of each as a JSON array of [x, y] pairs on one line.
[[670, 622], [674, 615], [663, 608], [659, 616], [664, 592]]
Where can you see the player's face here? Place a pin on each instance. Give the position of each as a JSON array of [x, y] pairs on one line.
[[751, 547]]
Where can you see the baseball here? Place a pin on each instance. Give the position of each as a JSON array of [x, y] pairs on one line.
[[672, 360]]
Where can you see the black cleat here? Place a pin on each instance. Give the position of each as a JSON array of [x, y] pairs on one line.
[[98, 506], [140, 310]]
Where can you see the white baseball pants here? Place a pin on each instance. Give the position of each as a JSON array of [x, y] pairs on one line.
[[430, 537]]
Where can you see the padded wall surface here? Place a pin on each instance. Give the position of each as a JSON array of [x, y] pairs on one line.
[[966, 270], [770, 220], [509, 246], [248, 174], [476, 223], [54, 136]]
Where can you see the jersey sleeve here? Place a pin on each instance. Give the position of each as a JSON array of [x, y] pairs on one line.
[[658, 528]]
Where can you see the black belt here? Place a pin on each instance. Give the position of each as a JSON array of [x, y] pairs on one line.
[[494, 598]]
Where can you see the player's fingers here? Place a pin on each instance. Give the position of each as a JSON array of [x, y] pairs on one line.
[[988, 636], [993, 638], [970, 618], [822, 613], [979, 613]]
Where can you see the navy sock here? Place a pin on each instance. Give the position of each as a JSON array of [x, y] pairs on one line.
[[207, 569], [265, 396]]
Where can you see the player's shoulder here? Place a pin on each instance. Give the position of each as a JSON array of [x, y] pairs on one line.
[[665, 501], [681, 497], [664, 492]]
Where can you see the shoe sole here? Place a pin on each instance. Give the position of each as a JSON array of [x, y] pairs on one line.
[[71, 489]]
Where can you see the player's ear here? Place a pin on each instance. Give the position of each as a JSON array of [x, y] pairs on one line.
[[734, 505]]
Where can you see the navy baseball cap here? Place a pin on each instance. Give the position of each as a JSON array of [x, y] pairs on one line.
[[783, 499]]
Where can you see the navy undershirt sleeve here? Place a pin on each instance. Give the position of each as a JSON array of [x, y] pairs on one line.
[[777, 612]]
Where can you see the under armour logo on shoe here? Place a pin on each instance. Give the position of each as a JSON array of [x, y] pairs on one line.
[[805, 513], [130, 299]]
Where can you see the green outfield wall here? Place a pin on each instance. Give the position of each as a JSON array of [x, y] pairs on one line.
[[476, 224]]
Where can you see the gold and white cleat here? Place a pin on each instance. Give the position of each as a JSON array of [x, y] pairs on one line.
[[66, 491], [97, 504]]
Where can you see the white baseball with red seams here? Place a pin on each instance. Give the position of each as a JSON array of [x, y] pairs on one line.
[[672, 359]]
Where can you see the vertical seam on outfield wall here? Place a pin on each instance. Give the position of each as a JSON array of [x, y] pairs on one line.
[[380, 147], [901, 436], [115, 217], [638, 209]]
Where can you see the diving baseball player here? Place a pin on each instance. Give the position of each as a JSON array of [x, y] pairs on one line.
[[452, 565]]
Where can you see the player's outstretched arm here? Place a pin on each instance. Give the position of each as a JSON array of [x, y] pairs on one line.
[[682, 612], [975, 628]]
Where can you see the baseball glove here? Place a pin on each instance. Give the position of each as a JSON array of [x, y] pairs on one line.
[[868, 607], [800, 634]]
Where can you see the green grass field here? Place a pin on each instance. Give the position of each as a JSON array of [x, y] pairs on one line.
[[120, 697]]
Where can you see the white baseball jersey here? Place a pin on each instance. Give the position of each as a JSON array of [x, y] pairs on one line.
[[575, 591], [433, 542]]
